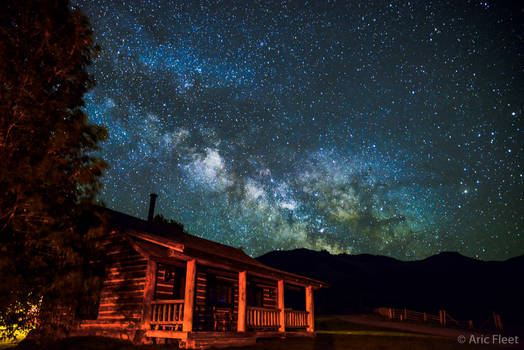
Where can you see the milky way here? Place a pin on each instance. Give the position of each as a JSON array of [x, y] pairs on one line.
[[388, 128]]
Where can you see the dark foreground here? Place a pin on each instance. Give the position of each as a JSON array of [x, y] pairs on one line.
[[321, 342], [333, 333]]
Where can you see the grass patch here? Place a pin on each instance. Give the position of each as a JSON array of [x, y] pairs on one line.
[[339, 341], [335, 324]]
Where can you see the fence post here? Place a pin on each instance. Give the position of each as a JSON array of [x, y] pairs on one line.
[[425, 317], [405, 314], [390, 313], [442, 314], [470, 323], [497, 320]]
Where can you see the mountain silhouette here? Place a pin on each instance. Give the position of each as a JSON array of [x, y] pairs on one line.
[[464, 287]]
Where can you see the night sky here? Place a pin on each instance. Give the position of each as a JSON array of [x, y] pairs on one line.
[[391, 128]]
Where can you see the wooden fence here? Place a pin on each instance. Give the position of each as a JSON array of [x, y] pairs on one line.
[[443, 318]]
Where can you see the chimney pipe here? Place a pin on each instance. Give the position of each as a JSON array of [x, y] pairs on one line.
[[151, 213]]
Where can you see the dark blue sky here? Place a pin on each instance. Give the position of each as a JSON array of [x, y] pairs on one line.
[[388, 128]]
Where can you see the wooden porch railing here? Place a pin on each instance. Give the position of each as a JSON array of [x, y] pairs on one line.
[[296, 319], [262, 317], [167, 314]]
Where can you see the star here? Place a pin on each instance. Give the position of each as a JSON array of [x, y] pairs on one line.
[[263, 124]]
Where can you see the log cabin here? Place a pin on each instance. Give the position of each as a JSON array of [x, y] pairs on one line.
[[163, 285]]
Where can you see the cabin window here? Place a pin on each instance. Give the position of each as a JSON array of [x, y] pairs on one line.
[[179, 288], [169, 275], [271, 293], [255, 295], [170, 282], [87, 308], [270, 297]]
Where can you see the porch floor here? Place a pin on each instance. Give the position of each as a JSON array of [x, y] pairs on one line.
[[211, 334], [206, 339]]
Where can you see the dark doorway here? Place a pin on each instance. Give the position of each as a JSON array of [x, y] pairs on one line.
[[255, 295], [221, 303]]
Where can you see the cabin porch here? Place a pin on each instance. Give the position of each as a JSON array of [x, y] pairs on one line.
[[168, 316], [167, 325], [216, 307]]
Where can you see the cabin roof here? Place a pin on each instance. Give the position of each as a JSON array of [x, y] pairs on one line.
[[165, 242]]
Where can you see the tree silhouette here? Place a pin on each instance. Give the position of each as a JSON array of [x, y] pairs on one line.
[[48, 173]]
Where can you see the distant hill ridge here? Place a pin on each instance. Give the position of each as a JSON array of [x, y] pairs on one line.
[[465, 287]]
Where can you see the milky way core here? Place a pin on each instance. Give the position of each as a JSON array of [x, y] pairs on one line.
[[389, 128]]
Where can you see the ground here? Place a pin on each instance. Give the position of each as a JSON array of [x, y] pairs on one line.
[[334, 332]]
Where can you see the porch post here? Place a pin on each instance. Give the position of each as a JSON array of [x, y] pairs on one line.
[[149, 293], [189, 297], [242, 286], [310, 308], [282, 312]]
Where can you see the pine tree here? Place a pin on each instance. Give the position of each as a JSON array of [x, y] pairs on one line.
[[49, 173]]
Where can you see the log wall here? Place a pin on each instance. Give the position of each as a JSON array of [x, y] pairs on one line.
[[123, 289], [202, 320]]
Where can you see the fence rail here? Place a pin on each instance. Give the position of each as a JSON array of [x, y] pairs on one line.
[[167, 314], [443, 318]]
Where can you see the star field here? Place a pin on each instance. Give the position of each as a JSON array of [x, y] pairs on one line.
[[388, 128]]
